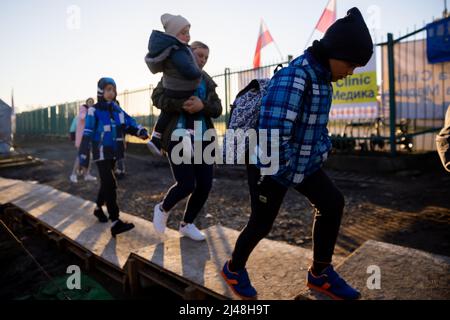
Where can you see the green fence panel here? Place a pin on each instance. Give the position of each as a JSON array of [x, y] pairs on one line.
[[71, 112], [53, 122], [46, 123], [34, 122], [61, 119], [41, 129]]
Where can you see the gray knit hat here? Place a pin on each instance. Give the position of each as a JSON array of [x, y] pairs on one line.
[[173, 24]]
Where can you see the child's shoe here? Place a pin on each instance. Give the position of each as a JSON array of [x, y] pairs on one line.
[[239, 282], [73, 178], [98, 212], [331, 284], [88, 177], [120, 227]]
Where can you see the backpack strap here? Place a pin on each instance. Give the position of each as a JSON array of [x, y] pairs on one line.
[[253, 85], [278, 68]]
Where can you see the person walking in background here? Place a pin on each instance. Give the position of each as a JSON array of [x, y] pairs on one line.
[[76, 132]]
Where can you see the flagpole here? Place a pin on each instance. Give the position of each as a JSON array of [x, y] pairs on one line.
[[309, 39], [315, 28], [263, 29], [278, 49], [12, 98], [273, 40]]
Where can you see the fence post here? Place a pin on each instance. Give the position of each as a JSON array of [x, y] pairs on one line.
[[35, 119], [46, 123], [392, 104], [227, 92], [40, 121], [53, 121]]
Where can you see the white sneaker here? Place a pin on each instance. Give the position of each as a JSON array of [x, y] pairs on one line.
[[73, 178], [88, 177], [191, 231], [160, 219]]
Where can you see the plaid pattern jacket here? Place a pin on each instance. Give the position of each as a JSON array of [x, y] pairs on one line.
[[298, 103]]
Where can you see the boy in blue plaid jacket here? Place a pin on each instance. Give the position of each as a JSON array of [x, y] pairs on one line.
[[297, 106]]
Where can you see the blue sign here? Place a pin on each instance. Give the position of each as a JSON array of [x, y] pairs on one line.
[[438, 41]]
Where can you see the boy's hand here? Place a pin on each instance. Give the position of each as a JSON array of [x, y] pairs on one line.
[[193, 105], [143, 134]]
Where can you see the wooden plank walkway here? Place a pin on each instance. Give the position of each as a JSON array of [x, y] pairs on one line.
[[192, 269], [277, 269], [72, 217]]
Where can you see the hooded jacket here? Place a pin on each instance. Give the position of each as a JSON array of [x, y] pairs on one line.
[[104, 131], [174, 107], [175, 60]]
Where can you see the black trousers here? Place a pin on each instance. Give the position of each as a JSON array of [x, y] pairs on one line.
[[191, 179], [266, 198], [108, 185]]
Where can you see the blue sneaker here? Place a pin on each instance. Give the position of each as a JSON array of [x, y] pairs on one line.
[[330, 283], [239, 282]]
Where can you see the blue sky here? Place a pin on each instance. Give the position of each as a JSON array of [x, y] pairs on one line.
[[47, 61]]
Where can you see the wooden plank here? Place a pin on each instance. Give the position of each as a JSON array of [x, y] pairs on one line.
[[4, 182], [405, 273], [277, 270], [12, 189], [73, 217]]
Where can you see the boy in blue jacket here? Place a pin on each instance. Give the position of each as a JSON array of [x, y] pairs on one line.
[[105, 129], [169, 53], [297, 105]]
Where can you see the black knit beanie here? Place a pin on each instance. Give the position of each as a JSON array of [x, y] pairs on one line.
[[349, 39]]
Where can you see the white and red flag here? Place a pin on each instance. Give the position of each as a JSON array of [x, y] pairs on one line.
[[328, 17], [264, 39]]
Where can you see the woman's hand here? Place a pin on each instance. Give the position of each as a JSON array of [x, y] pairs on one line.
[[193, 105]]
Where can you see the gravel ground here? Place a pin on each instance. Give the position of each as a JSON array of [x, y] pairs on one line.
[[407, 208]]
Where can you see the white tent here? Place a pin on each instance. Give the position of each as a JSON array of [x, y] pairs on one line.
[[5, 128]]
